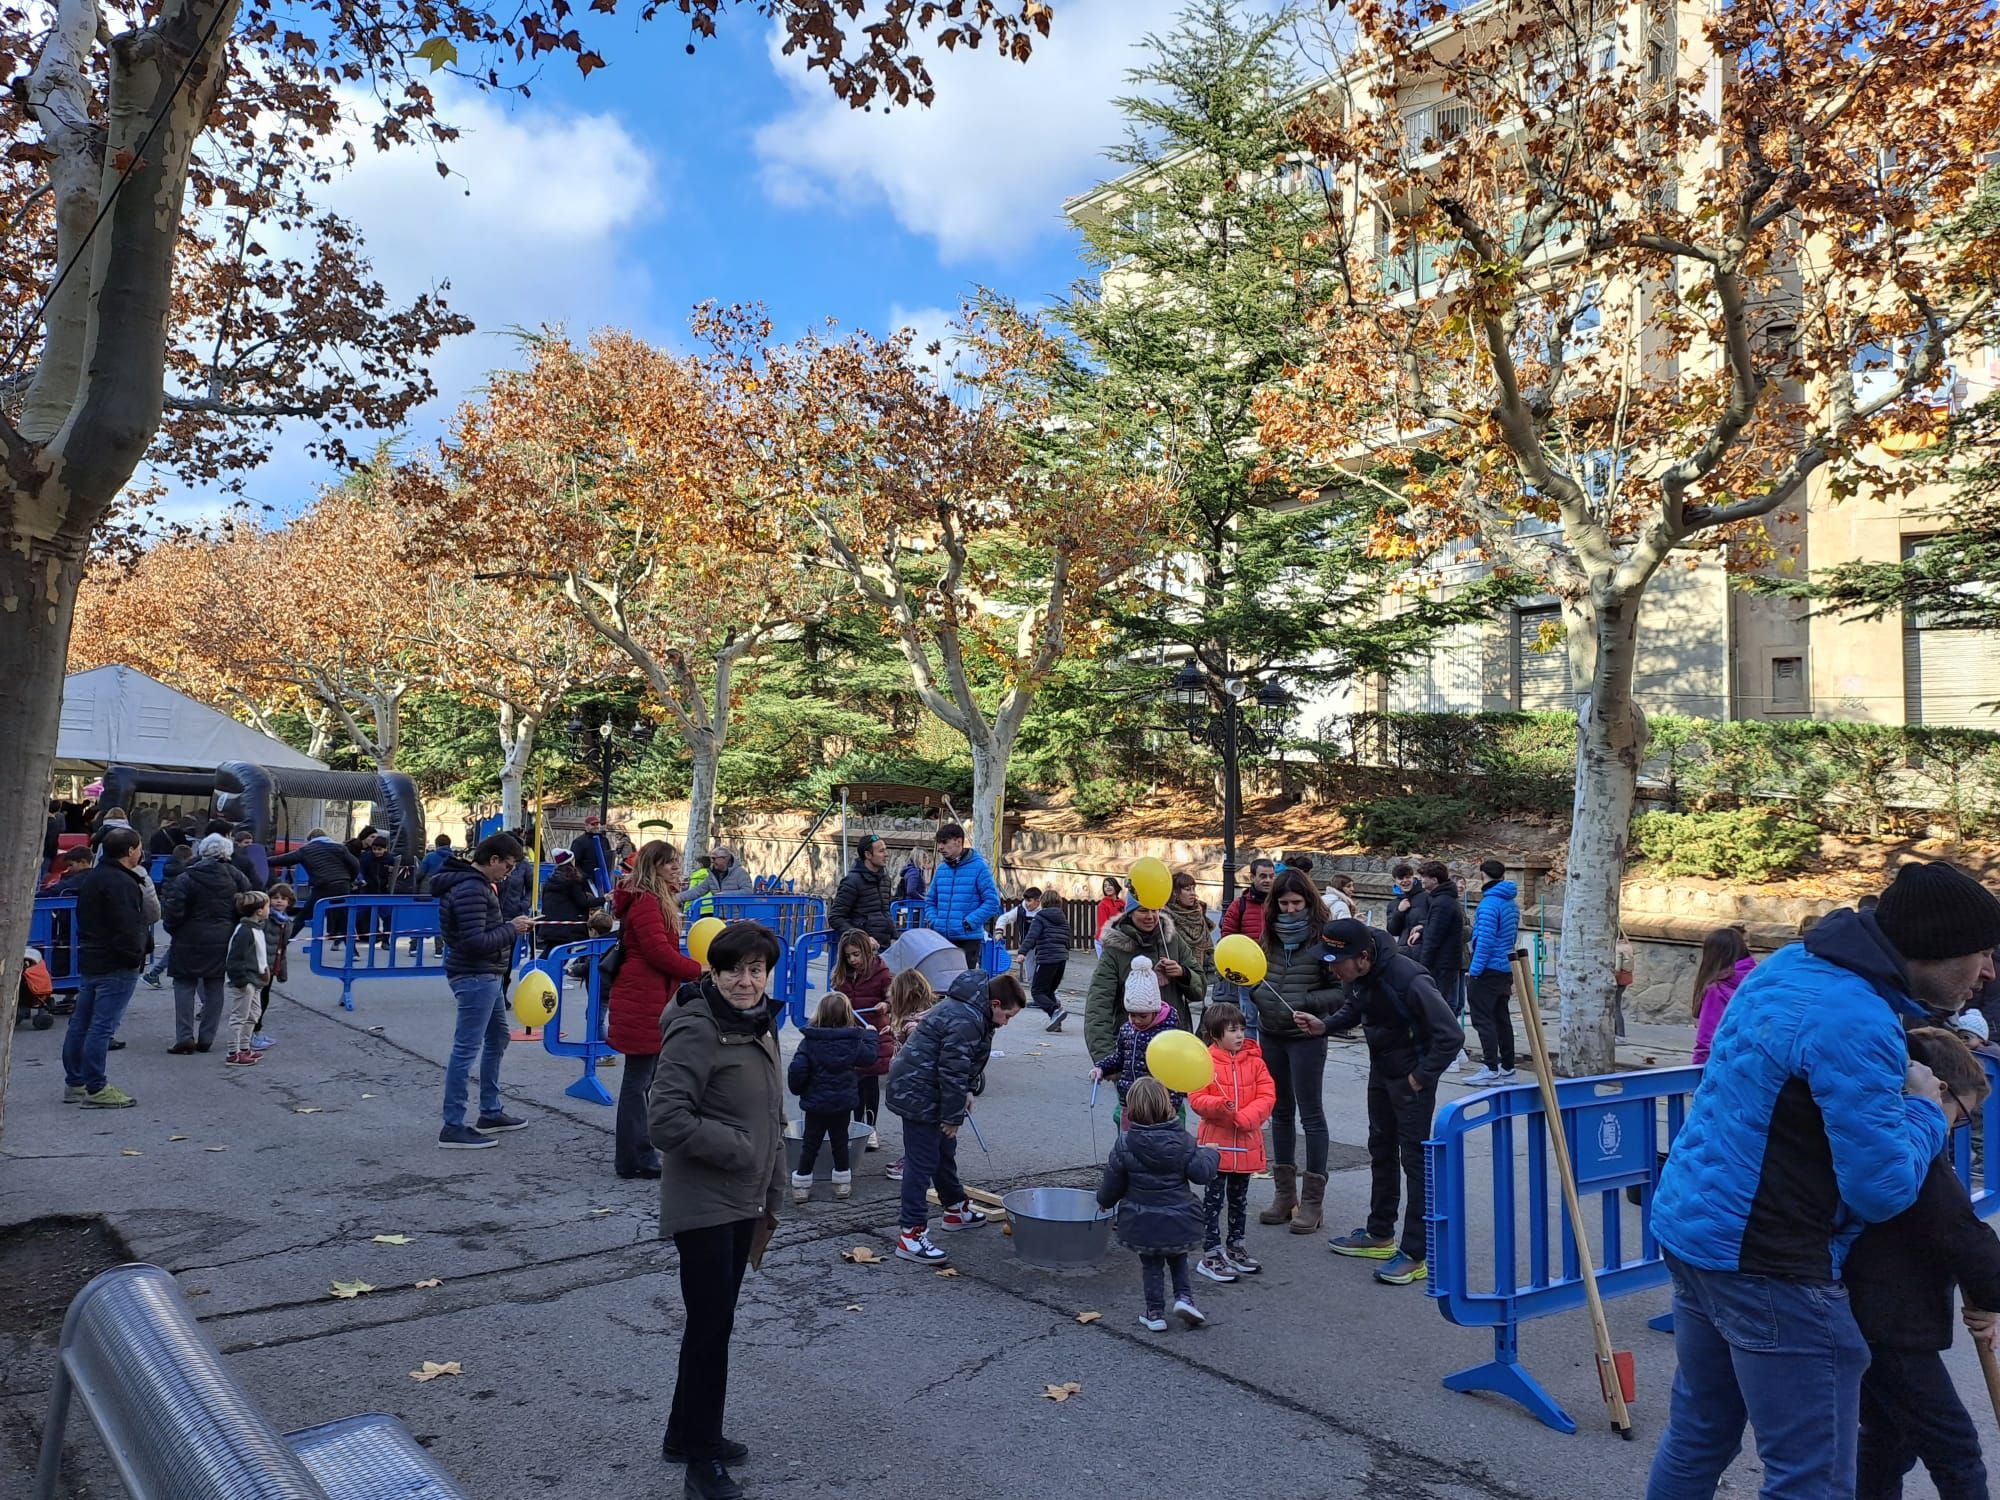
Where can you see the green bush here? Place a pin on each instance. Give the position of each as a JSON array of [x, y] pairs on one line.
[[1752, 843], [1405, 823], [1100, 798]]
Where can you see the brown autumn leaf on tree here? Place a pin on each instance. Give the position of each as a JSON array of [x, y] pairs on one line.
[[1624, 288]]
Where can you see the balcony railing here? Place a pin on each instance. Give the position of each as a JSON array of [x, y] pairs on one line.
[[1432, 126]]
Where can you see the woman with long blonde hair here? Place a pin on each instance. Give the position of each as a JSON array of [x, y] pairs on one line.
[[652, 971]]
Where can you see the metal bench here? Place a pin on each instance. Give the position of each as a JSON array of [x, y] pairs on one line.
[[179, 1426]]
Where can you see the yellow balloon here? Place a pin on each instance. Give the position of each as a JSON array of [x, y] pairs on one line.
[[701, 935], [1152, 883], [534, 999], [1239, 958], [1178, 1059]]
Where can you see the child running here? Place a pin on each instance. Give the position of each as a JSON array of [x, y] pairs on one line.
[[248, 969], [823, 1075], [910, 995], [1146, 1016], [1153, 1163], [1233, 1110], [1899, 1277]]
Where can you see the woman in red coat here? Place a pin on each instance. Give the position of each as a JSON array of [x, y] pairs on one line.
[[860, 974], [653, 969]]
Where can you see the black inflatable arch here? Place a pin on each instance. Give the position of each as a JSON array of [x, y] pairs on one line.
[[255, 791]]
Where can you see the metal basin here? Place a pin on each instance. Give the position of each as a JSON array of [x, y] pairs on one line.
[[857, 1142], [1059, 1228]]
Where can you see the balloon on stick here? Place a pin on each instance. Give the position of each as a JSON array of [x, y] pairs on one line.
[[1240, 959], [704, 932], [534, 999], [1178, 1059], [1152, 883]]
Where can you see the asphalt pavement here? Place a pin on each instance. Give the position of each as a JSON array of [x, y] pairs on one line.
[[538, 1271]]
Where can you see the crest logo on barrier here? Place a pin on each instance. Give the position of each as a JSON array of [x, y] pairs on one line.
[[1610, 1134]]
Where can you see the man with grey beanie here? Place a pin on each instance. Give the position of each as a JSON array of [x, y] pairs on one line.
[[1811, 1121]]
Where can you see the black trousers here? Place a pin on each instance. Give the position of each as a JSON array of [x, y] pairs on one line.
[[871, 1098], [829, 1128], [1488, 995], [973, 948], [633, 1148], [1399, 1121], [1910, 1410], [1235, 1186], [1298, 1069], [712, 1262], [1047, 977]]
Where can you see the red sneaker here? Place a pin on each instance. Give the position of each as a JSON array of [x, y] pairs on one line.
[[244, 1059]]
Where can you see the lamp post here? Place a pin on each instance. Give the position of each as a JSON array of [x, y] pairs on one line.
[[602, 746], [1232, 732]]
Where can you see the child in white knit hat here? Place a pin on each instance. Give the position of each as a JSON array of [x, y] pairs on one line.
[[1146, 1016]]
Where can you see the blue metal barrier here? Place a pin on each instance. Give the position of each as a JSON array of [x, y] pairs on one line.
[[771, 885], [156, 867], [1980, 1177], [590, 1046], [799, 987], [790, 917], [1617, 1140], [52, 932], [358, 949], [907, 914]]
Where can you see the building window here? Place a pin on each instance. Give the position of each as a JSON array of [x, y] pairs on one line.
[[1788, 684], [1951, 674], [1541, 661]]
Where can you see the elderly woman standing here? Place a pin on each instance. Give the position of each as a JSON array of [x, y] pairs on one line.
[[718, 1120], [199, 909]]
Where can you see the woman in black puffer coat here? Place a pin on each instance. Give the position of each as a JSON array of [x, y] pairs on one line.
[[199, 909], [1148, 1177]]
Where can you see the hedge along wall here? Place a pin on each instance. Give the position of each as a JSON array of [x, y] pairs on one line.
[[1842, 778]]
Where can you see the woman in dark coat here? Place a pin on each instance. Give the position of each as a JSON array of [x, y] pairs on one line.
[[718, 1119], [199, 909], [653, 969], [1297, 981], [860, 974], [567, 902]]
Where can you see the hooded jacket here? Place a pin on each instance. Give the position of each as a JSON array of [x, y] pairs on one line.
[[863, 901], [943, 1064], [1494, 929], [1800, 1132], [1399, 922], [1048, 937], [826, 1068], [199, 910], [328, 866], [477, 938], [1409, 1028], [698, 900], [1104, 1003], [250, 948], [111, 925], [1900, 1273], [1148, 1178], [962, 898], [1714, 1001], [654, 968], [1441, 949], [716, 1113], [1245, 915], [1234, 1107]]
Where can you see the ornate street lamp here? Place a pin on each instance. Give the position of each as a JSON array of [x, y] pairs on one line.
[[602, 746], [1232, 732]]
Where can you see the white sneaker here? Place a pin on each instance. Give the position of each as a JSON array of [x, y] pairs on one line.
[[1153, 1322], [1216, 1267], [802, 1188], [1506, 1075], [918, 1247], [1484, 1077], [874, 1140], [962, 1216], [1188, 1313], [1467, 1063]]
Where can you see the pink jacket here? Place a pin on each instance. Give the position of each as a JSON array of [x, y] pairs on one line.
[[1714, 1001]]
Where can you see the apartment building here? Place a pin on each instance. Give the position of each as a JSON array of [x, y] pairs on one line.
[[1711, 648]]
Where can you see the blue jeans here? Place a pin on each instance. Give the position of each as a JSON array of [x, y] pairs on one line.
[[100, 1005], [1786, 1356], [482, 1020], [930, 1159]]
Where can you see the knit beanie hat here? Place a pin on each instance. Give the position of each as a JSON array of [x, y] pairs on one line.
[[1142, 988], [1935, 910]]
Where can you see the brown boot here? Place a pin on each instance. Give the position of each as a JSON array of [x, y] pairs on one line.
[[1311, 1195], [1286, 1179]]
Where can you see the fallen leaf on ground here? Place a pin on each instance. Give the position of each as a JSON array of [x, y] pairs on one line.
[[600, 1210], [854, 1307], [310, 1109], [176, 1137], [197, 1291], [128, 1151], [433, 1281], [1088, 1317], [861, 1255], [389, 1239], [215, 1148], [948, 1271], [368, 1096], [351, 1288], [432, 1369], [1062, 1392]]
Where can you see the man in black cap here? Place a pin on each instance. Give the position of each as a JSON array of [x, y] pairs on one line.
[[1412, 1038], [1811, 1121]]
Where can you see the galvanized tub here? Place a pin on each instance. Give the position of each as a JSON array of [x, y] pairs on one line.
[[1061, 1229], [857, 1142]]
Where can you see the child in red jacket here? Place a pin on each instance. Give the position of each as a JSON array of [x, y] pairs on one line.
[[1233, 1109]]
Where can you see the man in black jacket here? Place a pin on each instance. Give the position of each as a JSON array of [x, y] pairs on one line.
[[478, 955], [332, 870], [863, 898], [1412, 1038], [111, 930], [1441, 930]]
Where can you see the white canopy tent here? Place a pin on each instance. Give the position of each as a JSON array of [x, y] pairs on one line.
[[120, 716]]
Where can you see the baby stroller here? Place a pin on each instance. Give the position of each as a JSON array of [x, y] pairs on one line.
[[37, 991]]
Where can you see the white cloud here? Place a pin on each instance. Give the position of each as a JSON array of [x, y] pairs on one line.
[[985, 169], [539, 223], [931, 325]]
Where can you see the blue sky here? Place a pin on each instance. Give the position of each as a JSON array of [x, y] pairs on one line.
[[665, 179]]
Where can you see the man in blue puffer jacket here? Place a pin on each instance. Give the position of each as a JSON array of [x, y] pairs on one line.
[[962, 898], [1489, 977], [1811, 1122]]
